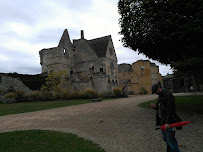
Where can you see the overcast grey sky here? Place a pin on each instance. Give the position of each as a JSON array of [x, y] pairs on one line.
[[27, 26]]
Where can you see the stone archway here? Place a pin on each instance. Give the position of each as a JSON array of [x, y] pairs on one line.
[[125, 90]]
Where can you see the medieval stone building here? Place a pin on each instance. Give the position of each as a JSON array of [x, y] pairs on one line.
[[139, 77], [90, 63]]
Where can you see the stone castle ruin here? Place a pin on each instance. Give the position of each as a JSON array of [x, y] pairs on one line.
[[138, 77], [90, 63]]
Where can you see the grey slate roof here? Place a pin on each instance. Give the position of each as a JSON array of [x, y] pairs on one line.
[[99, 45]]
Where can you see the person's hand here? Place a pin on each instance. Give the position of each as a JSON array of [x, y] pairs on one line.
[[152, 105], [167, 126]]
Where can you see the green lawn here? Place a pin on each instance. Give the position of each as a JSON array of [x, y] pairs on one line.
[[7, 109], [45, 141], [22, 107], [186, 104]]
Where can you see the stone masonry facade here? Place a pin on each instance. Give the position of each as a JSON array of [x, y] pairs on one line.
[[7, 82], [141, 74], [90, 63]]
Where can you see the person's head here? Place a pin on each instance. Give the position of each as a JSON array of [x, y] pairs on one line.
[[156, 88]]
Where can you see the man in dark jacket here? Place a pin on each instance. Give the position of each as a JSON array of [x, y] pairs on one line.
[[165, 112]]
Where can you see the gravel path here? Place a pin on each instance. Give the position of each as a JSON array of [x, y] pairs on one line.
[[117, 125]]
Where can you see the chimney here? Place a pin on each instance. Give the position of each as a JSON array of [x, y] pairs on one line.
[[82, 34]]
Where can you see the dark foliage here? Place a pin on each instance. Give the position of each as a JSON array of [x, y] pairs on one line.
[[34, 82], [164, 30]]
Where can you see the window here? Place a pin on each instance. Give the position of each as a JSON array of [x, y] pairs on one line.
[[74, 48], [101, 70], [64, 51], [112, 69], [142, 70]]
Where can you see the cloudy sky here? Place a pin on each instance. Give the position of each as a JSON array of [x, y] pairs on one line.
[[27, 26]]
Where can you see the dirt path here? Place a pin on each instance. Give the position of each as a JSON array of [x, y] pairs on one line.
[[116, 125]]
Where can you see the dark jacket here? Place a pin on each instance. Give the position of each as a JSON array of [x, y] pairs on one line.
[[165, 108]]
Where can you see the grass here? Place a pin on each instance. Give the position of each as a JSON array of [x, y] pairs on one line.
[[45, 141], [7, 109], [15, 108], [186, 104]]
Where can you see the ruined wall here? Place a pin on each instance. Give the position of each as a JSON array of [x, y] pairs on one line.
[[7, 82], [141, 74], [156, 76], [127, 78], [53, 59], [143, 70]]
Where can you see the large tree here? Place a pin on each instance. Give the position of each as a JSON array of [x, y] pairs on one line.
[[168, 31]]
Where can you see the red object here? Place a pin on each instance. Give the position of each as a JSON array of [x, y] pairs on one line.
[[178, 124]]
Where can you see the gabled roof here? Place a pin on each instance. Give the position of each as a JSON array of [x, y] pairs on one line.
[[65, 40], [99, 45]]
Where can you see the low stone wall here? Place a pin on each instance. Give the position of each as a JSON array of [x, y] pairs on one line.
[[8, 82]]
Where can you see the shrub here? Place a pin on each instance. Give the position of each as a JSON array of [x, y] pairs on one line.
[[9, 95], [19, 95], [1, 99], [47, 96], [90, 94], [143, 91], [9, 100], [27, 98], [65, 95], [76, 95], [117, 92], [106, 94], [35, 95]]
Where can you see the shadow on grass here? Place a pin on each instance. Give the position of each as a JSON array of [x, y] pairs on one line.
[[45, 141], [185, 104]]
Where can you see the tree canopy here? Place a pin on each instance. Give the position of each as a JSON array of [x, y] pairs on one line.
[[164, 30]]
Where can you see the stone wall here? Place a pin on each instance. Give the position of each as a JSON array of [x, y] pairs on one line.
[[90, 63], [8, 82], [141, 74]]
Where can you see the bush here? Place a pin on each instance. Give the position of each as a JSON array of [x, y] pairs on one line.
[[1, 99], [117, 92], [65, 95], [27, 98], [106, 94], [143, 91], [47, 96], [76, 95], [9, 95], [9, 100], [35, 96], [19, 95], [90, 94]]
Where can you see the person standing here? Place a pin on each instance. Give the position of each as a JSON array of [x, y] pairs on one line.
[[165, 112]]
